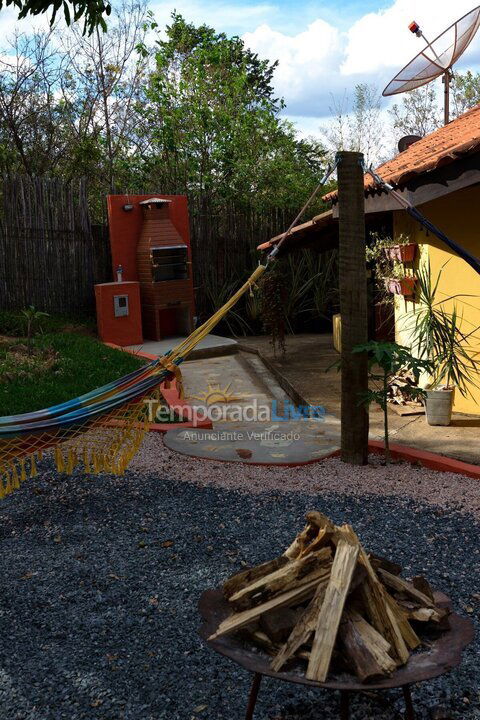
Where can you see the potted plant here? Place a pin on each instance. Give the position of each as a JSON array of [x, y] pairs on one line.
[[397, 282], [402, 251], [438, 338]]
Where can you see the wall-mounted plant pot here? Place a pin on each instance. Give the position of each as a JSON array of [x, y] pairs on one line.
[[405, 286], [401, 253], [439, 405]]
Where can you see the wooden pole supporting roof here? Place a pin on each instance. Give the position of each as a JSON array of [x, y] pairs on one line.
[[353, 307]]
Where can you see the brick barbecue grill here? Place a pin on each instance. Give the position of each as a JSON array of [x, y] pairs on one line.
[[165, 273]]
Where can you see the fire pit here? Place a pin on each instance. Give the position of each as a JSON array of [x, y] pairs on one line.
[[328, 614], [444, 654]]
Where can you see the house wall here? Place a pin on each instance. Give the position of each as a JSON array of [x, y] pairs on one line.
[[458, 216]]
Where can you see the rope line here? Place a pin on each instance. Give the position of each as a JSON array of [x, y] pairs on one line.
[[472, 260], [330, 170]]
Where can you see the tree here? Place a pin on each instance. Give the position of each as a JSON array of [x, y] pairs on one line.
[[357, 125], [31, 115], [465, 91], [213, 121], [101, 87], [92, 11], [419, 112]]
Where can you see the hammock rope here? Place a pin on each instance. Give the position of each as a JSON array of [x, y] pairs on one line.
[[103, 429], [473, 261]]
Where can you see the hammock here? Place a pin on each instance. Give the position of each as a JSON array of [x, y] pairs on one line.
[[103, 429]]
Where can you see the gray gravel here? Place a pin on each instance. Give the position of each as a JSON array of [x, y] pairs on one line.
[[100, 578]]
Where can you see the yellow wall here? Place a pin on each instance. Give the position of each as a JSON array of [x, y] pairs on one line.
[[458, 215]]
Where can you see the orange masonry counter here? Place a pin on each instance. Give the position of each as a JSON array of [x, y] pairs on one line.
[[119, 315]]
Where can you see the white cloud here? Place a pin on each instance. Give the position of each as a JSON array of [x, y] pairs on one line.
[[323, 61]]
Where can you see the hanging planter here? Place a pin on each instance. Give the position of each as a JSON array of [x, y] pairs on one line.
[[404, 286], [401, 253]]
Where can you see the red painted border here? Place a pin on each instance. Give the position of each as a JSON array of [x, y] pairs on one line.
[[428, 459], [172, 397]]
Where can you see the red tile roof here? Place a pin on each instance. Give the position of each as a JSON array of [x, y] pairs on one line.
[[458, 138]]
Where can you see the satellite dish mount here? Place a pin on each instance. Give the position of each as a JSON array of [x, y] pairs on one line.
[[437, 58]]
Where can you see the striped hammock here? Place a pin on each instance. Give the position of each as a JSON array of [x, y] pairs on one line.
[[103, 429]]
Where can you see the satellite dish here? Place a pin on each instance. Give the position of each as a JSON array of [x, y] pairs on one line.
[[437, 58]]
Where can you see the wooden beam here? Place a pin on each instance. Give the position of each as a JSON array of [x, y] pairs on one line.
[[353, 307]]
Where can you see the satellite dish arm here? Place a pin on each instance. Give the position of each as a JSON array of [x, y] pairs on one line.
[[472, 260]]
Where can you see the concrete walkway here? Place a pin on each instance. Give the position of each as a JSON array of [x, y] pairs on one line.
[[304, 366], [240, 385]]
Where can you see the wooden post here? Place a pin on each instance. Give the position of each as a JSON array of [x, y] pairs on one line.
[[353, 306]]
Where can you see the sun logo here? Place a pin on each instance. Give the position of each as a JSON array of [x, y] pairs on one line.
[[214, 394]]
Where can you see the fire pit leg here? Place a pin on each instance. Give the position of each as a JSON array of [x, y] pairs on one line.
[[252, 700], [344, 705], [410, 714]]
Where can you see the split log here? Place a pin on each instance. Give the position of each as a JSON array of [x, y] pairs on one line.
[[302, 631], [292, 598], [400, 585], [409, 635], [285, 578], [384, 563], [365, 649], [379, 613], [332, 608], [245, 577]]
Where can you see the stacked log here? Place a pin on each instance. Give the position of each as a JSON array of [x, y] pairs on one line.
[[330, 605]]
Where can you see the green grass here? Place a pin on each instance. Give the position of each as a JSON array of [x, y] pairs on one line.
[[82, 364]]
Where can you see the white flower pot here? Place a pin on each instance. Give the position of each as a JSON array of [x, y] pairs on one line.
[[438, 406]]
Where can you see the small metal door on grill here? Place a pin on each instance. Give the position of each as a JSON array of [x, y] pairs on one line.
[[169, 262]]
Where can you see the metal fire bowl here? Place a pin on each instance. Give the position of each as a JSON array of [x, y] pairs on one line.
[[444, 654]]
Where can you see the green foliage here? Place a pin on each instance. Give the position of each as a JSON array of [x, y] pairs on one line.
[[385, 360], [215, 126], [32, 321], [91, 11], [437, 336]]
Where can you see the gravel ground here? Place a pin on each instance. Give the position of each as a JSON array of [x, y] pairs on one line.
[[101, 577], [447, 490]]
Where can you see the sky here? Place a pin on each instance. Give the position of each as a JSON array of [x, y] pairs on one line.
[[323, 48]]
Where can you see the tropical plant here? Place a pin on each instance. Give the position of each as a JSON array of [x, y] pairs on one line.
[[385, 360], [32, 320], [436, 336]]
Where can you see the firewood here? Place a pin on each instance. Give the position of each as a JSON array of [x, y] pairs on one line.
[[365, 648], [302, 631], [285, 578], [245, 577], [409, 635], [332, 607], [427, 614], [292, 597], [279, 623], [397, 583], [382, 562], [379, 613], [421, 584], [316, 523]]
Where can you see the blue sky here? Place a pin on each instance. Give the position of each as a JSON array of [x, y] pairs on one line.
[[324, 48]]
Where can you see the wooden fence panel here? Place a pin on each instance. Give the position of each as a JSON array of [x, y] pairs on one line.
[[49, 255]]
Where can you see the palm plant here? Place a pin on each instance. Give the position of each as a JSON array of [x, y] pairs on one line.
[[32, 318], [437, 336]]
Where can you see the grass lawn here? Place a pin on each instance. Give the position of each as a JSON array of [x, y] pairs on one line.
[[61, 366]]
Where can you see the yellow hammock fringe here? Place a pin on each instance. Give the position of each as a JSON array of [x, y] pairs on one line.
[[109, 443]]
